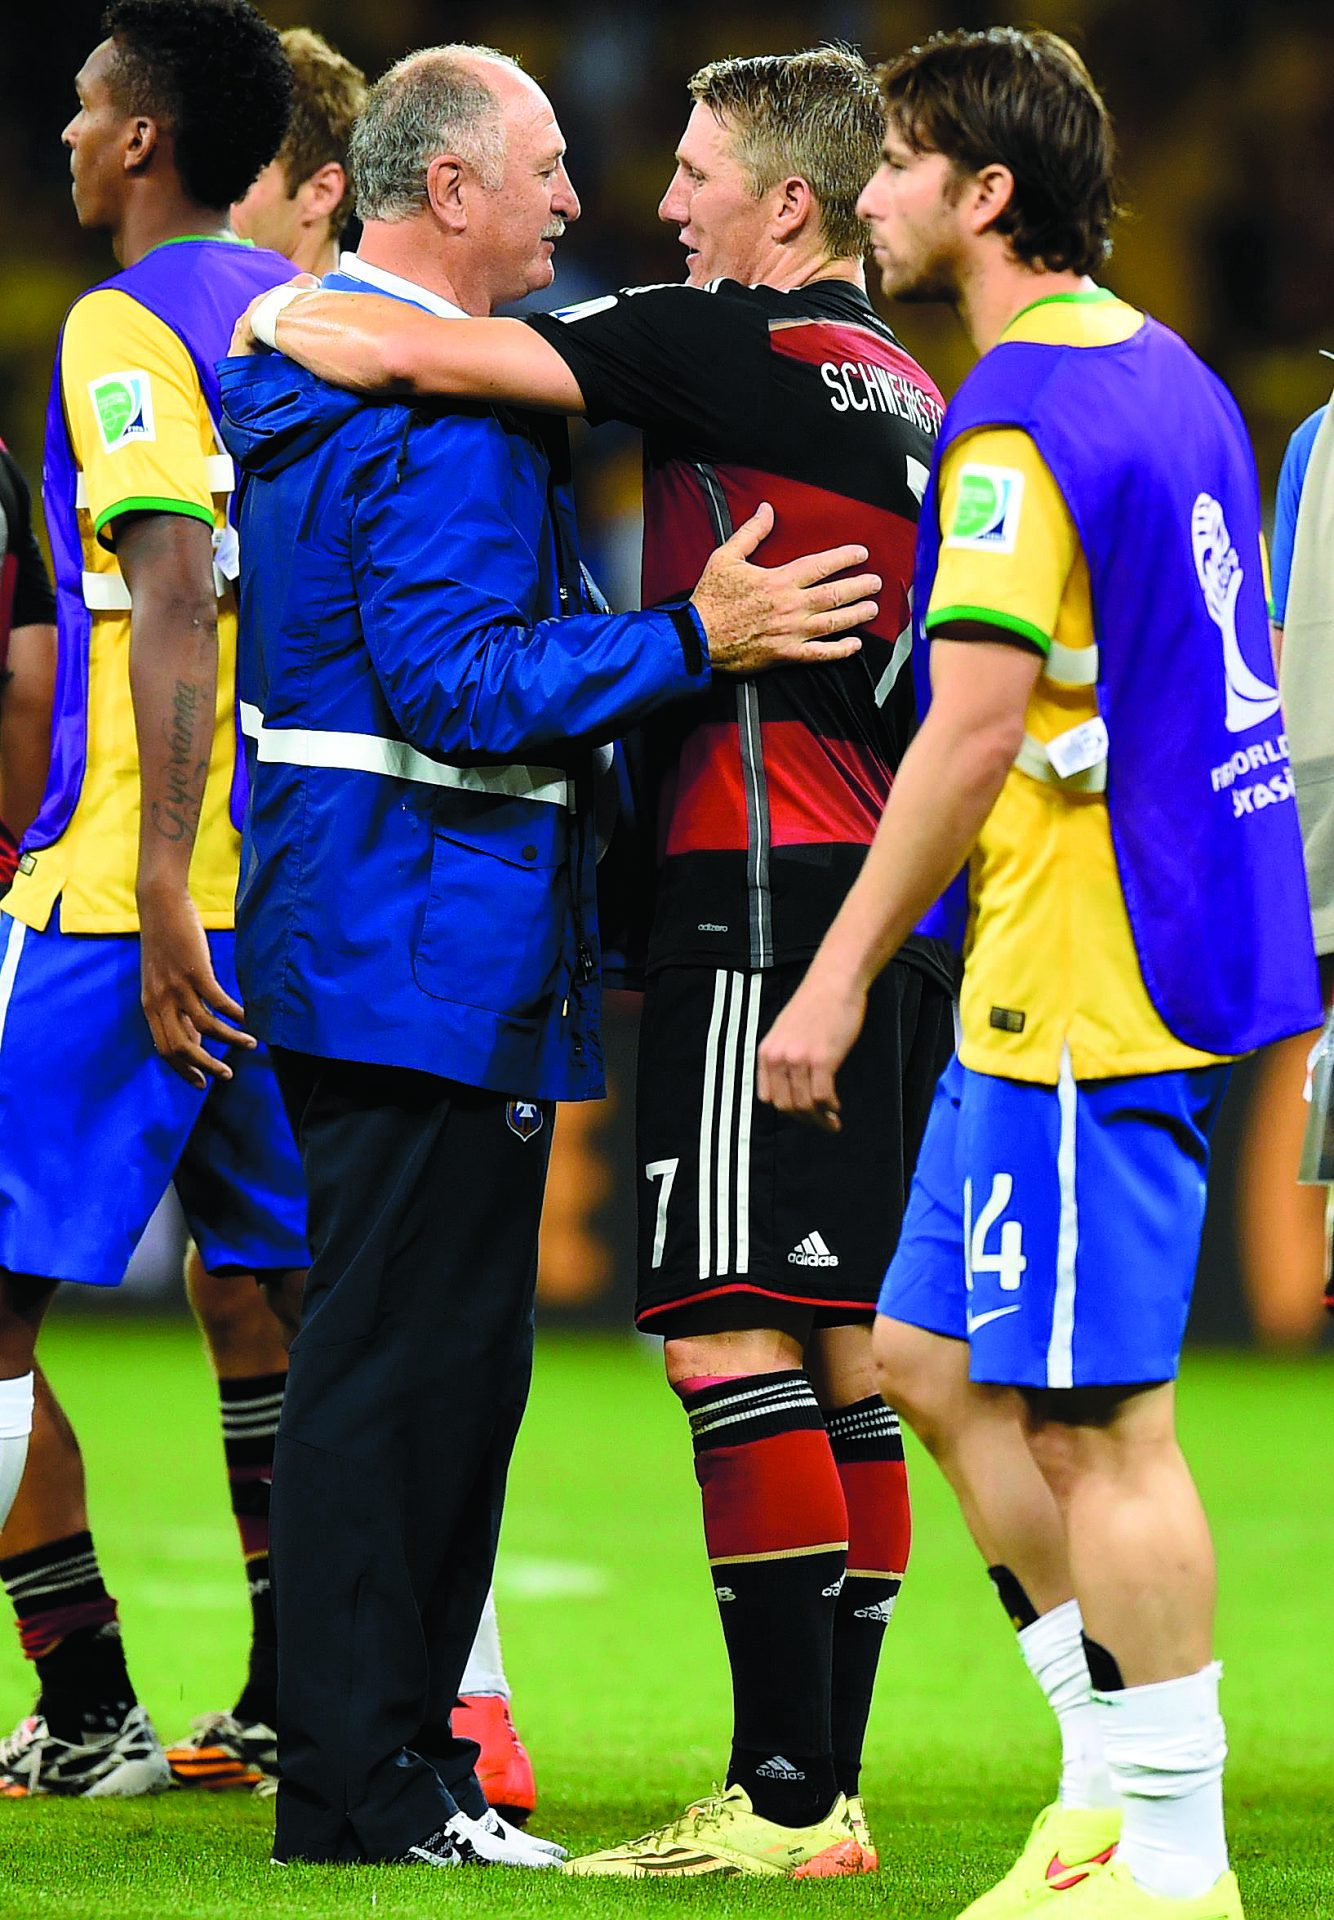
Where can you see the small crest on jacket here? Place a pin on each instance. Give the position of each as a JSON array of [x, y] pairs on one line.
[[524, 1117]]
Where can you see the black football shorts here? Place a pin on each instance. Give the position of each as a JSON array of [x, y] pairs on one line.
[[740, 1206]]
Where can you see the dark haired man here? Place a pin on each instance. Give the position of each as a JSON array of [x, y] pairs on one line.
[[1138, 915], [117, 930], [300, 203], [766, 377]]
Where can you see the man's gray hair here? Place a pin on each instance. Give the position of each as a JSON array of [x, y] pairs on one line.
[[432, 102]]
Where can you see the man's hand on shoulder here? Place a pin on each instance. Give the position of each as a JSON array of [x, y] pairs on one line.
[[756, 617], [247, 336]]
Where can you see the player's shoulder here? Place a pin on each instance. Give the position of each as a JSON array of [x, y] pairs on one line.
[[666, 302], [107, 324], [998, 493]]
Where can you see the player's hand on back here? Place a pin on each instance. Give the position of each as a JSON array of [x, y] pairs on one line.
[[183, 1000], [798, 614]]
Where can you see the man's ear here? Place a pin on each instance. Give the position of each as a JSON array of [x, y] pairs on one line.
[[447, 180], [795, 206], [989, 193], [141, 144], [323, 191]]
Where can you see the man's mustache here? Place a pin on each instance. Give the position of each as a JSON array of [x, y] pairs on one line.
[[554, 231]]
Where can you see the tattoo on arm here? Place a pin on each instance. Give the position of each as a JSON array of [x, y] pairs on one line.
[[176, 815]]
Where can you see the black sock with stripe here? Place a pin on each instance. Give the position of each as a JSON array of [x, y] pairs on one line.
[[69, 1629], [776, 1528], [867, 1446]]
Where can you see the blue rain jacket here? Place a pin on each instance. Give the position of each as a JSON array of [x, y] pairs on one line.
[[421, 716]]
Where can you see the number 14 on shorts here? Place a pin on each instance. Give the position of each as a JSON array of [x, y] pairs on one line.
[[1007, 1262]]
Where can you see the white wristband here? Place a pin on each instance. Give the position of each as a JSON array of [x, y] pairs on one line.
[[264, 320]]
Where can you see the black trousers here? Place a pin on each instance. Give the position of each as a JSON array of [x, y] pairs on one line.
[[408, 1381]]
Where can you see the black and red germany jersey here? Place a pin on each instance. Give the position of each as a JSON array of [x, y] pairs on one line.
[[26, 598], [768, 791]]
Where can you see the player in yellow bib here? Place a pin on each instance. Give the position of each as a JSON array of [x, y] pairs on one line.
[[116, 934], [1089, 580], [1050, 938]]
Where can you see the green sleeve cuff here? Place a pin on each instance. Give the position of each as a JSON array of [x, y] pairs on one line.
[[989, 617], [148, 503]]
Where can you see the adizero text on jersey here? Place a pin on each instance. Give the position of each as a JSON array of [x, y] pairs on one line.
[[767, 791]]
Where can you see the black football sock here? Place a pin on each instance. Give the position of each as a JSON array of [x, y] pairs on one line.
[[1013, 1598], [69, 1630], [868, 1452], [250, 1410], [776, 1530]]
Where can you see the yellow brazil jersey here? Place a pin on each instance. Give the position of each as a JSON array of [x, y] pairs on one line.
[[1050, 958], [143, 440]]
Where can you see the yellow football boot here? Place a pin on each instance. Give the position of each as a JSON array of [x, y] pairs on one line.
[[1066, 1846], [724, 1835], [1111, 1894], [857, 1820]]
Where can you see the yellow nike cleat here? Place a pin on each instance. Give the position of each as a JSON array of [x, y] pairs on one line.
[[1112, 1894], [1066, 1846], [724, 1835], [857, 1820]]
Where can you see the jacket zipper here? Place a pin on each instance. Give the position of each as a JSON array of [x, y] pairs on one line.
[[759, 895]]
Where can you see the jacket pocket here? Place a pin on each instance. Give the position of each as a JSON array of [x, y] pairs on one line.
[[493, 930]]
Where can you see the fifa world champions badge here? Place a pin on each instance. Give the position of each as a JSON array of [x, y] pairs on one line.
[[524, 1117], [123, 404]]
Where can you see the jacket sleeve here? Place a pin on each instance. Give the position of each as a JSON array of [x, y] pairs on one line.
[[450, 546]]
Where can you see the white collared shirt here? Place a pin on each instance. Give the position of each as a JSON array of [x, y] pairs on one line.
[[356, 268]]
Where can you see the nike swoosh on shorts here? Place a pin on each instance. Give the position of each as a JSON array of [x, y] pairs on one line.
[[981, 1319]]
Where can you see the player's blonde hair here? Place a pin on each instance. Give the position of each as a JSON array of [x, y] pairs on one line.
[[327, 100], [816, 114]]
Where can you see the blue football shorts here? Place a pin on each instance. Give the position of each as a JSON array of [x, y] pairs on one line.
[[1057, 1229], [94, 1126]]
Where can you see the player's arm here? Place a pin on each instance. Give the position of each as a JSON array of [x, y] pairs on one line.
[[167, 561], [1007, 553], [148, 494], [947, 785], [373, 345]]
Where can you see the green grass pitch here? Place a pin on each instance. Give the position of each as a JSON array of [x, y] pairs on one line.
[[616, 1657]]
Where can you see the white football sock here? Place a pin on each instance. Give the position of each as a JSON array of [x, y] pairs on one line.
[[485, 1671], [1054, 1649], [15, 1427], [1165, 1750]]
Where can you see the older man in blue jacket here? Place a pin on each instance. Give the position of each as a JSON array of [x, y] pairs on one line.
[[425, 692]]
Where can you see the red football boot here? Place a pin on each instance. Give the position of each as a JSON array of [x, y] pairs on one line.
[[504, 1769]]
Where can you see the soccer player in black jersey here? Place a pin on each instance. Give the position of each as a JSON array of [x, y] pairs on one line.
[[766, 377]]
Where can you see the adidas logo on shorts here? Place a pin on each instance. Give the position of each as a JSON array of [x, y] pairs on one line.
[[812, 1252]]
